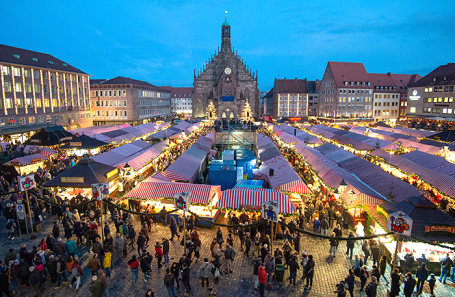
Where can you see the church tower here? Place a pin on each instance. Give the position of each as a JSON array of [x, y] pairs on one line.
[[226, 81], [225, 36]]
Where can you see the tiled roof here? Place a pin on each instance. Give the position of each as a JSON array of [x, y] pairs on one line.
[[34, 59], [403, 80], [290, 86], [181, 92], [120, 80], [436, 77], [381, 80], [350, 72]]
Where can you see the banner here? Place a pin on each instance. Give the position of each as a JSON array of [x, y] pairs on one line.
[[399, 222], [100, 191], [26, 182], [182, 200], [270, 210]]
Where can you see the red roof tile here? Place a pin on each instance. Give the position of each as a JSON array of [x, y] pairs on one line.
[[350, 72]]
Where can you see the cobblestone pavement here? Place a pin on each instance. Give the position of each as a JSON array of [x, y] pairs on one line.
[[237, 284]]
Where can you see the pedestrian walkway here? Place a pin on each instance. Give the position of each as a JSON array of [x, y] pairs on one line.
[[239, 283]]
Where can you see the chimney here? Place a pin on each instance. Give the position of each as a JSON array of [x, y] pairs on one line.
[[389, 74]]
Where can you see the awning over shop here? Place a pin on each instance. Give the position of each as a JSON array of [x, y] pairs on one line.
[[27, 160], [83, 142], [82, 175], [50, 136], [200, 194], [240, 197]]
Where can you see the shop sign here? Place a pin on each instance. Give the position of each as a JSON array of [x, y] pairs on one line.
[[75, 143], [294, 119], [440, 229], [72, 179], [270, 210], [26, 182], [251, 207], [100, 191], [414, 96], [20, 211], [400, 223], [15, 163], [35, 140], [182, 200], [65, 138], [111, 173], [36, 160]]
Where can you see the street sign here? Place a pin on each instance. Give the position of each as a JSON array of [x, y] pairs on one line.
[[400, 223], [20, 211], [26, 182], [100, 191], [270, 210], [19, 197], [182, 200]]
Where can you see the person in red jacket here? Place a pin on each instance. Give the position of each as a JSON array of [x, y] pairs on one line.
[[134, 265], [158, 253], [76, 270], [262, 276]]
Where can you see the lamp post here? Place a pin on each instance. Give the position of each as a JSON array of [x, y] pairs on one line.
[[352, 195], [342, 187], [337, 194]]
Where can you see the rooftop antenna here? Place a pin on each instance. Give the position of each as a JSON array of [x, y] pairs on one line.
[[225, 15]]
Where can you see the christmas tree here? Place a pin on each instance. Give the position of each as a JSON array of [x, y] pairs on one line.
[[211, 112], [246, 115]]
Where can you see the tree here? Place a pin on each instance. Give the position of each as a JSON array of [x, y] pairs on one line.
[[246, 113], [211, 112]]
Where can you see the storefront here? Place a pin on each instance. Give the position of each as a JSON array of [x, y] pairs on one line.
[[80, 177], [81, 145]]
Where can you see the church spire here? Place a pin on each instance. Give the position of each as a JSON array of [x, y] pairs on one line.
[[226, 35]]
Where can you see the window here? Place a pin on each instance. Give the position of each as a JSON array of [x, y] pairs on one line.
[[110, 102], [46, 89], [54, 102], [105, 93], [48, 119], [115, 103], [124, 94], [6, 70], [412, 110], [124, 114], [105, 103], [54, 89], [38, 103], [36, 74], [46, 102], [29, 102], [110, 93], [9, 103], [8, 86], [18, 87], [115, 93], [28, 88], [27, 72], [56, 118], [11, 122], [37, 88], [40, 119], [17, 71], [21, 121], [31, 120], [124, 104]]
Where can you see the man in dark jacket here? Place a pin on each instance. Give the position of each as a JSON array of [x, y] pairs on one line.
[[10, 256], [23, 272], [409, 285], [55, 230], [169, 283], [35, 280], [60, 248], [293, 267], [52, 268], [446, 263], [186, 278], [409, 261], [372, 287], [131, 236], [96, 287], [350, 244], [97, 248], [309, 272], [366, 251], [165, 244], [350, 282], [50, 242]]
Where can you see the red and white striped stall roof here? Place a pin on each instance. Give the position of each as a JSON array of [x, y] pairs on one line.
[[45, 151], [234, 198], [297, 186], [200, 194], [157, 177]]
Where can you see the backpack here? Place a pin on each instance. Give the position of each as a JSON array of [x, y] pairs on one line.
[[120, 229], [74, 272]]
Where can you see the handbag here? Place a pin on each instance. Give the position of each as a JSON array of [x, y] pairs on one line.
[[40, 218], [220, 241], [217, 272]]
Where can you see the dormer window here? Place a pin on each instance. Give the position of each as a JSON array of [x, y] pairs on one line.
[[50, 62], [363, 83], [345, 83], [358, 83], [35, 59], [64, 64], [434, 78], [445, 77], [17, 56], [369, 84], [352, 83]]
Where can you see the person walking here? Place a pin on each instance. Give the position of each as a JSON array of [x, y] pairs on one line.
[[61, 275], [366, 251], [158, 253], [309, 272], [175, 270], [349, 280], [140, 244], [131, 236], [371, 289], [422, 276], [293, 267], [94, 264], [96, 287], [71, 247], [350, 245], [363, 278], [383, 268], [134, 265], [169, 282], [229, 255], [262, 278], [270, 268], [76, 272], [395, 287], [247, 245], [446, 263], [107, 262], [219, 237], [118, 247], [165, 244], [173, 228], [256, 266], [145, 267], [35, 280], [204, 271], [409, 285], [333, 245], [186, 278], [316, 225], [324, 225]]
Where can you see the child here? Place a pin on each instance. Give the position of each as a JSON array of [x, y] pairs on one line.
[[432, 282]]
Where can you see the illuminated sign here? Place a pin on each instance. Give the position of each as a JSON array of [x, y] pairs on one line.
[[294, 119], [65, 138], [36, 160], [414, 96], [75, 143], [111, 173], [35, 140], [72, 179]]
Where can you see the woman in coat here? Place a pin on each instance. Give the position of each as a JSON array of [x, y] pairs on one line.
[[395, 287], [409, 285], [158, 253]]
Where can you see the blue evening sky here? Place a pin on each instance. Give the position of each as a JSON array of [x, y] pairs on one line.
[[163, 41]]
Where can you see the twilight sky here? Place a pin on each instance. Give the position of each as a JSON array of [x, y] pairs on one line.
[[163, 41]]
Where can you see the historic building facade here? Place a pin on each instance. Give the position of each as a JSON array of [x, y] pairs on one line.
[[227, 81]]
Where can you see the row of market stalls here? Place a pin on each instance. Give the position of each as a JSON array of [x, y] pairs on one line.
[[289, 134], [178, 131], [192, 162], [129, 133]]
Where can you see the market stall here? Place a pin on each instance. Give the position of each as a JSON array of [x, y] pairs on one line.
[[429, 224], [243, 198], [83, 144], [80, 178], [50, 136], [28, 164], [159, 191]]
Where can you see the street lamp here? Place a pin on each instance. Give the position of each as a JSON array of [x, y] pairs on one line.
[[342, 187], [351, 194]]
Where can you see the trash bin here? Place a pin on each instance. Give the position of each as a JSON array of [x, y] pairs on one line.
[[279, 272]]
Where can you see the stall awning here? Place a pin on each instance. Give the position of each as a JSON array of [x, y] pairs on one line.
[[84, 142], [235, 198], [200, 194], [27, 160]]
